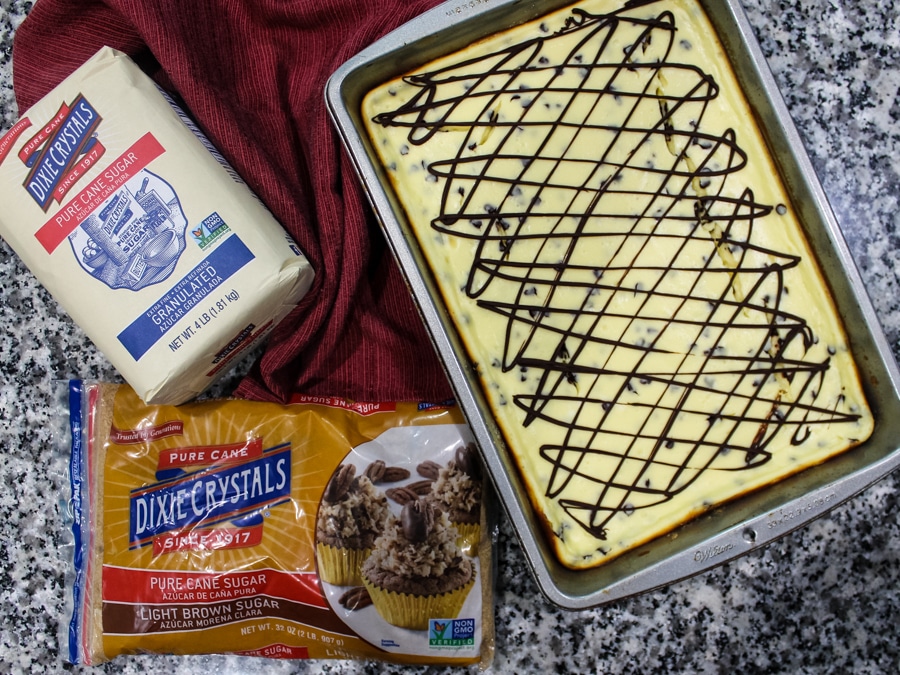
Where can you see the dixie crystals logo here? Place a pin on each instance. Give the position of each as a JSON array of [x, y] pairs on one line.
[[242, 482], [60, 153]]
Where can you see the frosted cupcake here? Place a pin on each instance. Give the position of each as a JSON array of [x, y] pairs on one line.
[[351, 516], [416, 571], [456, 491]]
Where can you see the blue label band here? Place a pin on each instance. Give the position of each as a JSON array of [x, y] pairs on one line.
[[156, 321]]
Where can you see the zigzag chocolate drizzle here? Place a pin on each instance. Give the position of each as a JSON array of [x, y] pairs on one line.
[[582, 251]]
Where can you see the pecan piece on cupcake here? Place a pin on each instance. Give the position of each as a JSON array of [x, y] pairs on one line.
[[355, 598]]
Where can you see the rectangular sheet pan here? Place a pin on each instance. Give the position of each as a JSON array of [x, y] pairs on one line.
[[725, 532]]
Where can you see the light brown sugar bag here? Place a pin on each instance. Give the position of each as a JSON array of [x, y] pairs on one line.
[[318, 529]]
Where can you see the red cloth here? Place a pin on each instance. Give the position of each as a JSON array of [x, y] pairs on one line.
[[253, 74]]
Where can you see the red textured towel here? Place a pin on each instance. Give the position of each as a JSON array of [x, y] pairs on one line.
[[253, 75]]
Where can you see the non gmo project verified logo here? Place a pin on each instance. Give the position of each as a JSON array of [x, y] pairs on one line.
[[211, 228], [443, 633]]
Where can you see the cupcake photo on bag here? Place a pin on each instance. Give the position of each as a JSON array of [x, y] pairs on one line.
[[411, 577], [352, 514], [416, 571], [456, 490]]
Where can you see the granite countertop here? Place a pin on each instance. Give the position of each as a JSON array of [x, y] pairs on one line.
[[821, 599]]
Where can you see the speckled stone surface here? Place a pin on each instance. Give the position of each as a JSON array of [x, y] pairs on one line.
[[822, 599]]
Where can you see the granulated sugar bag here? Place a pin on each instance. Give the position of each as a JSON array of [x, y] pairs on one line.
[[138, 227]]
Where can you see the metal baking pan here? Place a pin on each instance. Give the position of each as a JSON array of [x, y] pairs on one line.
[[727, 531]]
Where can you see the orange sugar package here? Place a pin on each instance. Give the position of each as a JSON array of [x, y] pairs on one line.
[[319, 529]]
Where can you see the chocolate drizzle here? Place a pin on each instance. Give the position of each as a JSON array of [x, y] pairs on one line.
[[631, 266]]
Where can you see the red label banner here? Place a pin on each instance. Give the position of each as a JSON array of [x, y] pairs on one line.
[[117, 173], [210, 455]]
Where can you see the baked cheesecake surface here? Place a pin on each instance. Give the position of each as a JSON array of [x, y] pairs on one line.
[[622, 262]]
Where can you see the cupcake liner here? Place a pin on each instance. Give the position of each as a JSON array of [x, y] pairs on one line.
[[467, 538], [340, 566], [413, 611]]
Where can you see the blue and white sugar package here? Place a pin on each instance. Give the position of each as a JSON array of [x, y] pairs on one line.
[[142, 232]]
